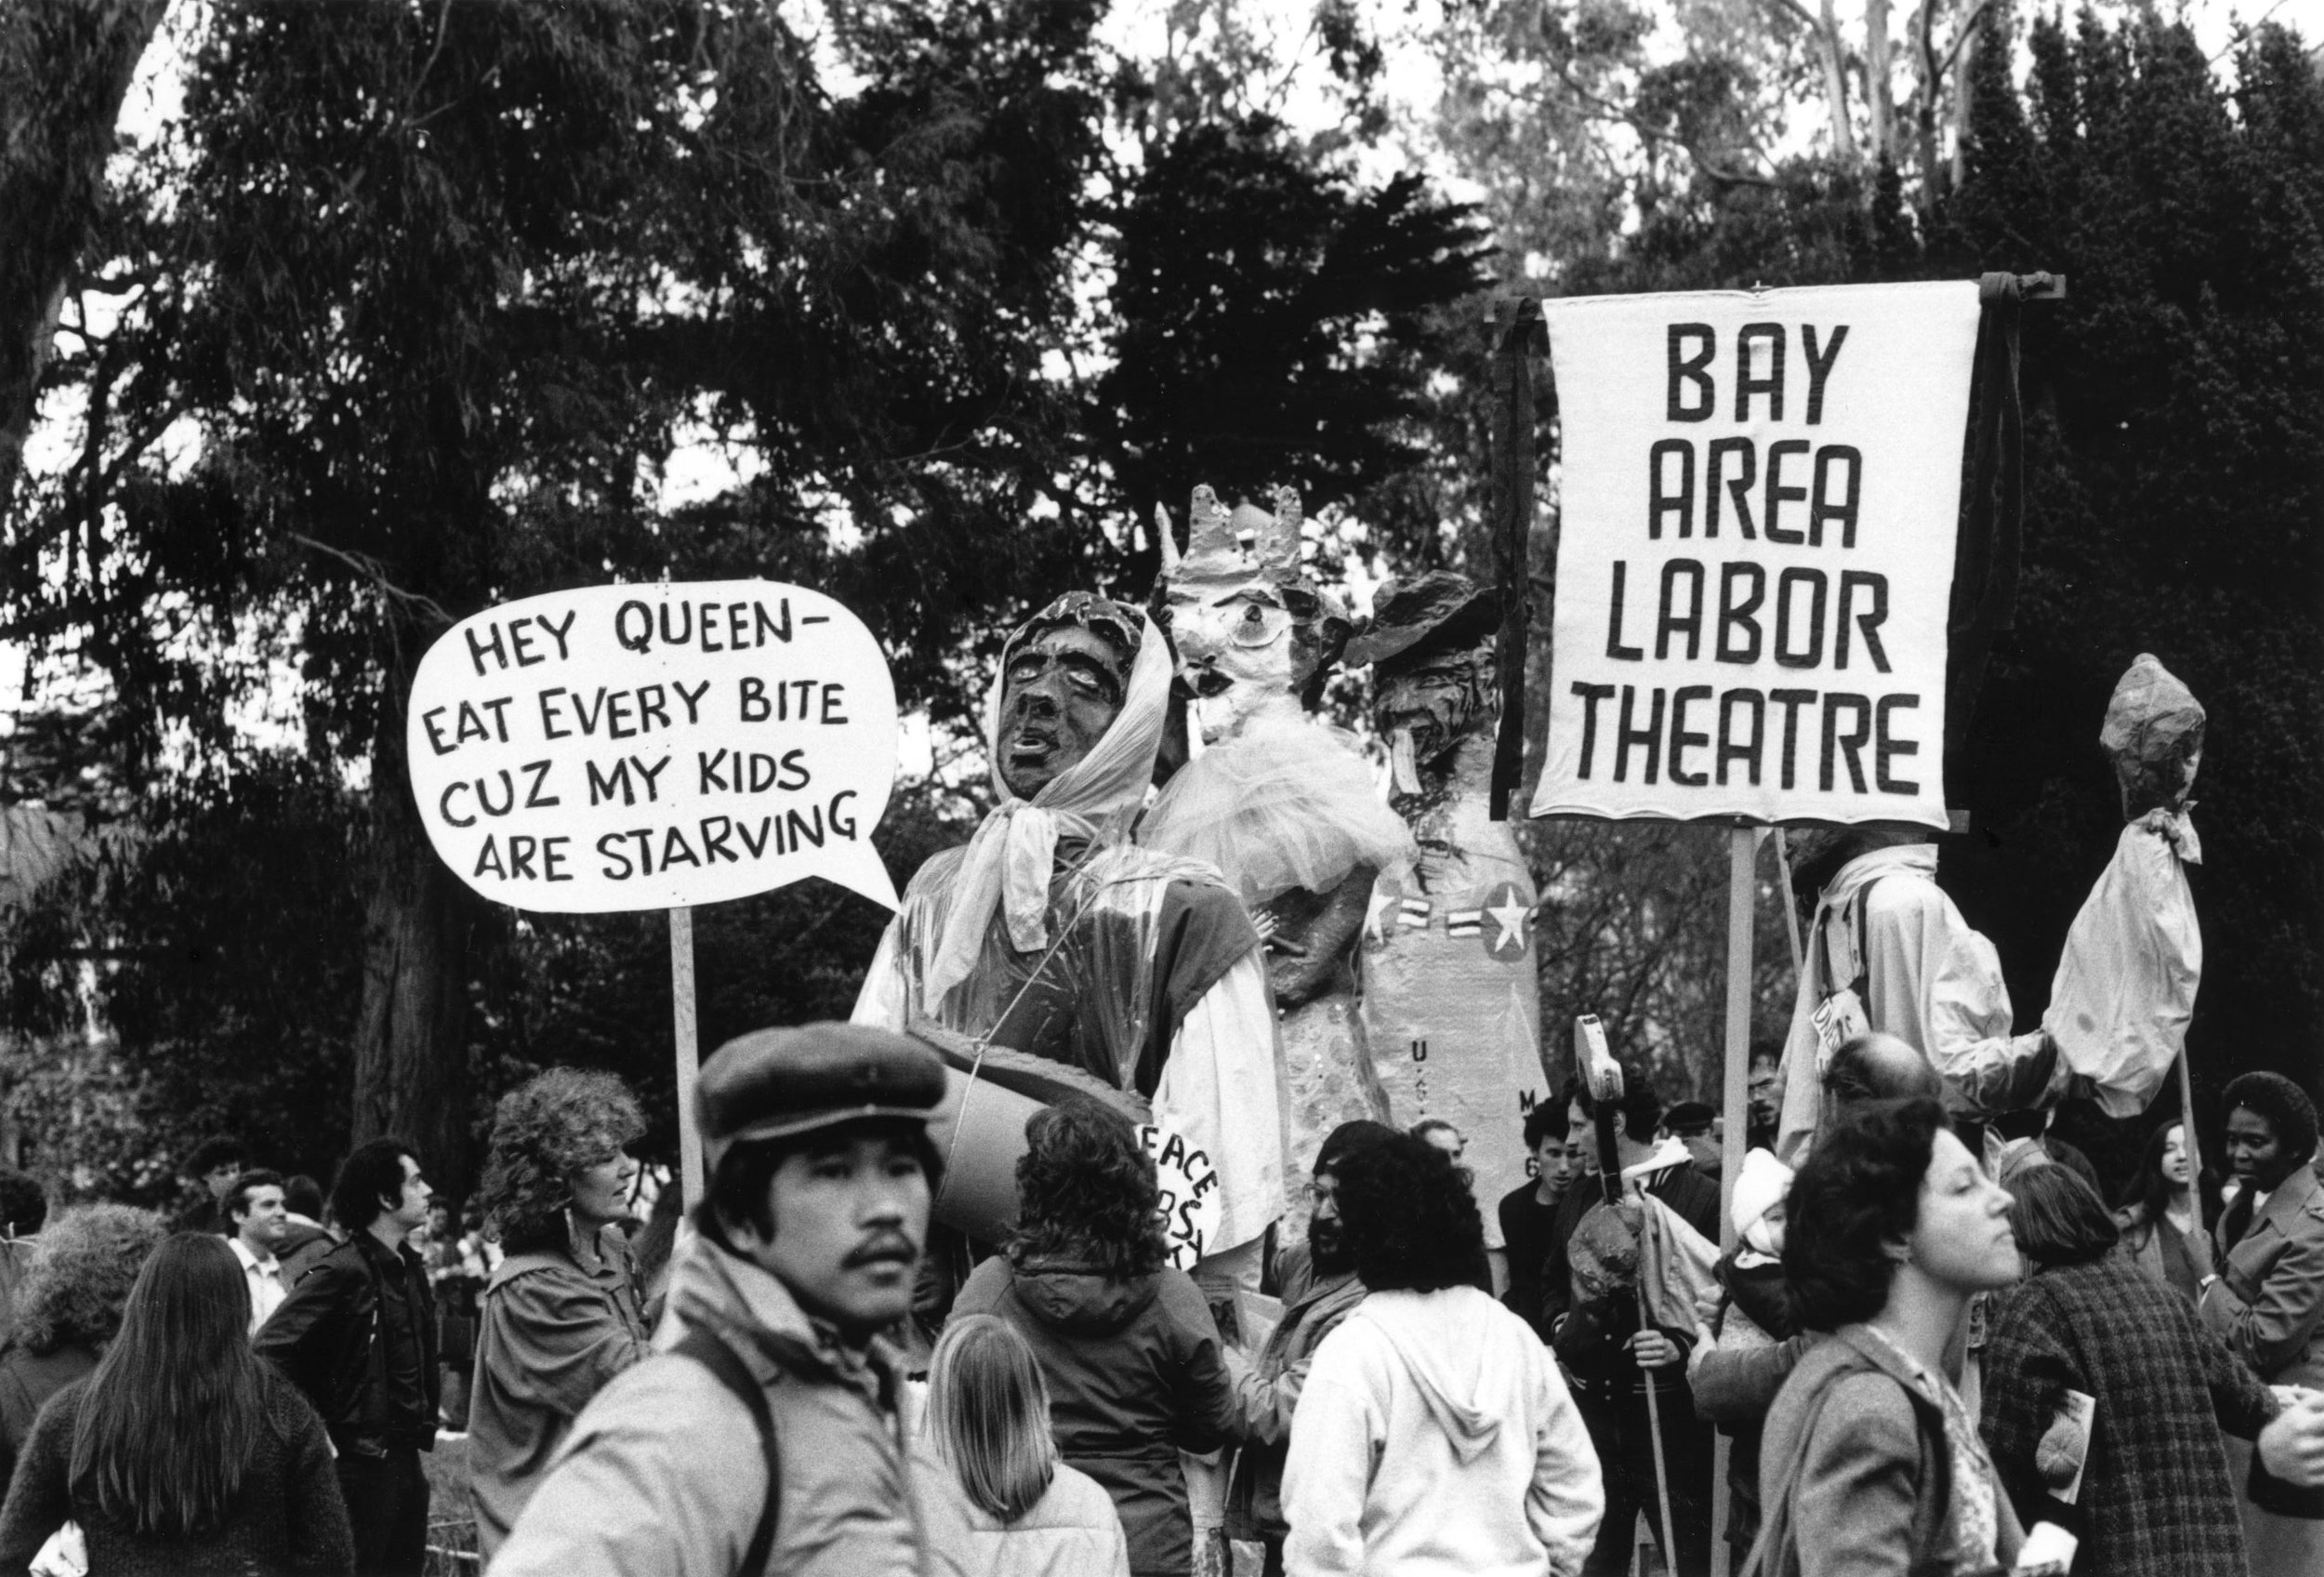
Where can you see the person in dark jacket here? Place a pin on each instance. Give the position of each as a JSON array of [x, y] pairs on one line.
[[211, 1169], [358, 1336], [306, 1240], [1320, 1289], [1529, 1211], [2156, 1499], [1125, 1342], [181, 1452], [562, 1314], [67, 1308], [1610, 1359]]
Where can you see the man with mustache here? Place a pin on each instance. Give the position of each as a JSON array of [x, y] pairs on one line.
[[1320, 1291], [767, 1439], [1051, 934]]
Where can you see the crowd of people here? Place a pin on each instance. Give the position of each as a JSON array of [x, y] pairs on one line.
[[1932, 1350]]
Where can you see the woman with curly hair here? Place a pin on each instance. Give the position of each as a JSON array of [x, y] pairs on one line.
[[67, 1308], [561, 1315], [1871, 1461], [1126, 1343], [1434, 1433]]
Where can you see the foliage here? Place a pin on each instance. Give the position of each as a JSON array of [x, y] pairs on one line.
[[439, 292], [2176, 408]]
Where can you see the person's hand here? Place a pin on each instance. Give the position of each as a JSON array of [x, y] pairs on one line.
[[2292, 1448], [1653, 1350]]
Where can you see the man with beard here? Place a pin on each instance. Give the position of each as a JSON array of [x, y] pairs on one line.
[[1051, 935], [1320, 1289]]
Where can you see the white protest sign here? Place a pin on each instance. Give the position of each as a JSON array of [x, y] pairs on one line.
[[1760, 493], [654, 747]]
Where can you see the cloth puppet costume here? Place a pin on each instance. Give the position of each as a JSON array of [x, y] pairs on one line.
[[1282, 805], [2126, 981], [1451, 1008], [1888, 951], [1053, 934]]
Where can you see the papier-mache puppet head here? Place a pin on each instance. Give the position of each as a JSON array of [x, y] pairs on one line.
[[1065, 676], [2154, 736], [1249, 626], [1430, 645]]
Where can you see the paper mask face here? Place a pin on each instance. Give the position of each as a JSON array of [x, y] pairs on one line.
[[620, 747]]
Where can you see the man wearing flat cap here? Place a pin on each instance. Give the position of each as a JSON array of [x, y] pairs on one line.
[[767, 1439], [1053, 934]]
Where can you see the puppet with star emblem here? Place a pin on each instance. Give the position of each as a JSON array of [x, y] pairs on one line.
[[1280, 801], [1451, 1004]]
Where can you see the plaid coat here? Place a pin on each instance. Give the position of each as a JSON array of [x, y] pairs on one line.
[[2157, 1499]]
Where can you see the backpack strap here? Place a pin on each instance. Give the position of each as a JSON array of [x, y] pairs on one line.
[[727, 1367]]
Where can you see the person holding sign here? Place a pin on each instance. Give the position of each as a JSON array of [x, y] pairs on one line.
[[1053, 934]]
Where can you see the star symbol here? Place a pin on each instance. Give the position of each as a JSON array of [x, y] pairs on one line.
[[1376, 913], [1510, 916]]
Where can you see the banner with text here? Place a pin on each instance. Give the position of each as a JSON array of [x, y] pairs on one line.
[[653, 747], [1760, 494]]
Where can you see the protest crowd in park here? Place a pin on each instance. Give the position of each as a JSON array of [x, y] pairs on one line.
[[874, 790]]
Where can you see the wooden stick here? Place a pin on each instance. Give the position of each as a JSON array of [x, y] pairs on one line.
[[681, 1002], [1654, 1425], [2187, 1123], [1742, 907]]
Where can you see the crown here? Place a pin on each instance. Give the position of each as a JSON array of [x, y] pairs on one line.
[[1215, 538]]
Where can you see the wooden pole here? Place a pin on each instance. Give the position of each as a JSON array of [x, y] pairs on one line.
[[681, 1002], [1742, 895], [2194, 1153]]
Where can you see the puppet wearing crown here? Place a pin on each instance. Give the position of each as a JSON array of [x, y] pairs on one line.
[[1281, 802]]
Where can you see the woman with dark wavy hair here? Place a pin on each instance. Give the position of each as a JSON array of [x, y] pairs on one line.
[[1434, 1433], [1870, 1460], [563, 1313], [184, 1452], [1125, 1341], [2167, 1218], [67, 1309]]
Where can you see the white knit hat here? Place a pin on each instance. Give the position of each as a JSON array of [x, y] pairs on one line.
[[1759, 1189]]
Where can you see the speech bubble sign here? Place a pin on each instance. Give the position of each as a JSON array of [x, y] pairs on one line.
[[619, 747]]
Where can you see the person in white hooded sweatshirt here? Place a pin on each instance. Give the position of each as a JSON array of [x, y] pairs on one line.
[[1434, 1435]]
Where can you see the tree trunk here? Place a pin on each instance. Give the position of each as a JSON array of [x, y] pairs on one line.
[[1878, 94], [1924, 107], [65, 66], [411, 1045], [1962, 109], [1834, 50]]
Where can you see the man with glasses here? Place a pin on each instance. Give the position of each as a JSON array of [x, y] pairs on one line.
[[1320, 1291]]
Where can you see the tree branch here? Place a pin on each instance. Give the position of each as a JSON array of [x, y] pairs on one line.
[[374, 571]]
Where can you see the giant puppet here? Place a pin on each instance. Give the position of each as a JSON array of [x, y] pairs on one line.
[[1886, 949], [1052, 934], [1451, 997], [1282, 803]]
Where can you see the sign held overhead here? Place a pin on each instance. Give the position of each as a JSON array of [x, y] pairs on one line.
[[1760, 492], [622, 747]]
